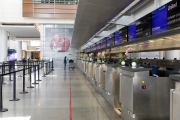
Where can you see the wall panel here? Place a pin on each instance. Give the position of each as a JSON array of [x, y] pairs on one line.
[[44, 10], [27, 1]]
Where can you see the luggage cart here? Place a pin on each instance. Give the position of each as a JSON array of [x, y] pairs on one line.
[[71, 64]]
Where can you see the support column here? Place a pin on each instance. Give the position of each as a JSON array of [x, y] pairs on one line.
[[3, 45], [19, 50]]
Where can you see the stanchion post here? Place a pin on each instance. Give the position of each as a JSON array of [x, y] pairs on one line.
[[18, 69], [44, 72], [14, 89], [30, 78], [3, 71], [10, 72], [23, 92], [46, 65], [38, 73], [1, 96], [52, 65], [49, 67], [35, 75]]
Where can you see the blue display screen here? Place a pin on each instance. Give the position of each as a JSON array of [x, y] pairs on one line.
[[117, 37], [159, 20], [98, 45], [132, 31], [108, 41], [101, 42]]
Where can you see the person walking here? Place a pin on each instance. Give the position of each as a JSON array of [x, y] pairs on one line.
[[65, 62]]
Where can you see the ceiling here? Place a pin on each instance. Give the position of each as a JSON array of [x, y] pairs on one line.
[[22, 31], [92, 15]]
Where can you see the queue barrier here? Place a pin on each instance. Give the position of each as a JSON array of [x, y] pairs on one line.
[[29, 67]]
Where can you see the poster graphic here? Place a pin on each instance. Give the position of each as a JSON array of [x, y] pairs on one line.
[[59, 38]]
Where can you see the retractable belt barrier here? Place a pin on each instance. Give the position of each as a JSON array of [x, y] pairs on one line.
[[29, 66]]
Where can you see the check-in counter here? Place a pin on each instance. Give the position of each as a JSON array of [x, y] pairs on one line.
[[144, 97], [111, 90], [175, 98], [87, 65], [84, 66], [100, 76]]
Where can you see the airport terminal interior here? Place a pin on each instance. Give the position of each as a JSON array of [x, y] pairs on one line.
[[89, 59]]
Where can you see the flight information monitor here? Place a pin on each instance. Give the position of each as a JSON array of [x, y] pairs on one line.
[[143, 26], [174, 14], [117, 37], [108, 41], [123, 34], [159, 20], [132, 31]]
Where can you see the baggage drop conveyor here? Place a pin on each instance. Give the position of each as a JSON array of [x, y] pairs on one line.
[[175, 98], [90, 73], [144, 97], [100, 76], [111, 91]]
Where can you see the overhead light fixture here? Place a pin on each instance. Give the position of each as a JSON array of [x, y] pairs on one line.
[[125, 10]]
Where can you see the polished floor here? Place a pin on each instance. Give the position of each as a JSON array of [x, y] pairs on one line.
[[62, 95]]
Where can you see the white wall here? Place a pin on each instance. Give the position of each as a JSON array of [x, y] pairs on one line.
[[11, 11], [171, 54], [35, 43], [28, 55], [3, 45], [24, 45], [12, 44]]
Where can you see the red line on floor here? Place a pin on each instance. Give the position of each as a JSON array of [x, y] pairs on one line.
[[70, 104]]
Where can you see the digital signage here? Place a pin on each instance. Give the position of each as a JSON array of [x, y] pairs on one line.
[[123, 34], [132, 31], [173, 14], [159, 20], [108, 41], [98, 45], [117, 37], [111, 37], [94, 46], [143, 26], [104, 43]]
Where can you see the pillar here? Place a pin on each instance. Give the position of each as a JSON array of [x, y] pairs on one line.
[[19, 50], [3, 45]]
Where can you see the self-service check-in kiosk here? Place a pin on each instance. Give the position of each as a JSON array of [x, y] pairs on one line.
[[111, 90], [144, 97], [175, 98], [100, 76]]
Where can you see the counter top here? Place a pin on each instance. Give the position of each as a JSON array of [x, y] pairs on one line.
[[175, 77], [112, 65], [134, 69]]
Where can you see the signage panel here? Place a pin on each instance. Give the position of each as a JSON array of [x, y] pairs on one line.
[[173, 14], [117, 37], [159, 20], [143, 26], [132, 31], [123, 35]]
